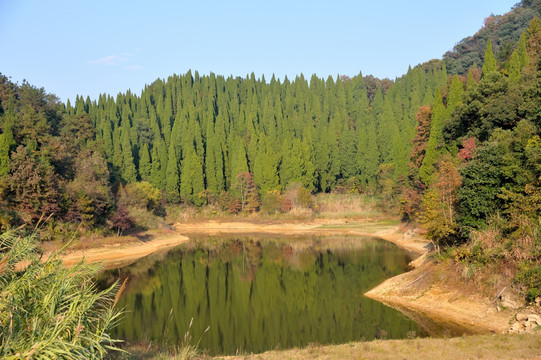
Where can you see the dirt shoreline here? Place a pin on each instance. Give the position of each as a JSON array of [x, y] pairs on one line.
[[423, 291], [124, 250], [385, 230], [411, 292]]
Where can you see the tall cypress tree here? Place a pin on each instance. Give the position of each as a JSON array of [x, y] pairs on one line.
[[128, 171], [489, 62], [172, 189], [433, 146], [266, 166], [470, 81], [456, 91], [371, 156], [191, 178], [107, 137], [522, 52], [210, 160], [117, 148], [239, 161], [145, 167], [156, 169], [7, 142], [385, 129], [308, 170], [6, 145], [291, 164]]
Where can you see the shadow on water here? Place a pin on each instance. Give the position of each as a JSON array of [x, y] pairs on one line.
[[263, 292]]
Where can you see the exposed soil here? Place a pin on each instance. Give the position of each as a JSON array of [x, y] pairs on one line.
[[388, 230], [121, 250], [433, 291]]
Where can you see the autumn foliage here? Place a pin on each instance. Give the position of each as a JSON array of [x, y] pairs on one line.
[[439, 206]]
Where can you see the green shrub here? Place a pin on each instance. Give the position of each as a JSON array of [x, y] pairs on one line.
[[529, 276], [272, 202], [141, 194]]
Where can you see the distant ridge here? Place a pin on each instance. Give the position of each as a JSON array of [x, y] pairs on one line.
[[503, 30]]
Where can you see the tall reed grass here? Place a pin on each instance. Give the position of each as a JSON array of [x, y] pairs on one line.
[[48, 311]]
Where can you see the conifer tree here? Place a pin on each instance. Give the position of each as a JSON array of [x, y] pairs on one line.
[[107, 138], [164, 159], [172, 190], [69, 108], [333, 148], [489, 62], [470, 81], [210, 160], [522, 51], [371, 156], [266, 166], [428, 98], [398, 152], [348, 152], [315, 134], [433, 146], [155, 170], [456, 91], [79, 106], [514, 67], [7, 142], [291, 164], [239, 162], [145, 167], [385, 129], [309, 168], [128, 171], [192, 185], [322, 160], [117, 148]]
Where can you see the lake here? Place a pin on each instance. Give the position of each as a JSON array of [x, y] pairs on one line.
[[256, 293]]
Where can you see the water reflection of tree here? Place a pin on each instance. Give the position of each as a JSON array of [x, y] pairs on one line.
[[258, 296]]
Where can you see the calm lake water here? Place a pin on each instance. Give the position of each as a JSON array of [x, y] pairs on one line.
[[261, 293]]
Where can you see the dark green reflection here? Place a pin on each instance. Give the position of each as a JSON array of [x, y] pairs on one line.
[[260, 295]]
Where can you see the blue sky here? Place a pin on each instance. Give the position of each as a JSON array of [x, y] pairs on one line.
[[92, 47]]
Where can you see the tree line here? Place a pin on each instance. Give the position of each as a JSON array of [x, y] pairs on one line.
[[195, 137]]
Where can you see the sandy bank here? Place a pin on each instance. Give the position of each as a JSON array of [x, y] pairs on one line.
[[430, 290], [124, 250]]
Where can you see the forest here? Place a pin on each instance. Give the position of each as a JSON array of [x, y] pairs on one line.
[[199, 139]]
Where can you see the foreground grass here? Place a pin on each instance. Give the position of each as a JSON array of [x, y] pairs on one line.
[[526, 346], [469, 347]]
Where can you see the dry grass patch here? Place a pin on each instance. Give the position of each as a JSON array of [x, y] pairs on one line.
[[348, 206], [470, 347]]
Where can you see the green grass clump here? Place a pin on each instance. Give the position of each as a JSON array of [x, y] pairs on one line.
[[48, 311]]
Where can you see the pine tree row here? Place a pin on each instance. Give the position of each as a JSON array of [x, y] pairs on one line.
[[191, 135]]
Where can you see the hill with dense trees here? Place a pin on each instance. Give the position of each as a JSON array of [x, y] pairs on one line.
[[502, 30], [475, 180]]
